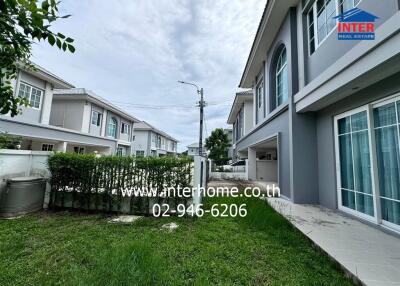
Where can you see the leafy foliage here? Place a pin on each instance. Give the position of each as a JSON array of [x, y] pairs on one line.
[[9, 142], [86, 182], [218, 145], [22, 22]]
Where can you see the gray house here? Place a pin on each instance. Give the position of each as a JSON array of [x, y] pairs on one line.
[[326, 112], [62, 118], [150, 141]]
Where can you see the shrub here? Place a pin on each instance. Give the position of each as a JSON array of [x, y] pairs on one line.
[[86, 182]]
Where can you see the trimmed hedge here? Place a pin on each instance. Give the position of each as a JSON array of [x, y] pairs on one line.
[[89, 183]]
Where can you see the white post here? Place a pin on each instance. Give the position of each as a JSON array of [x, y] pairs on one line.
[[246, 169], [252, 164]]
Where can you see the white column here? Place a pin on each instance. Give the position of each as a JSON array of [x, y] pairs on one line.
[[252, 164], [46, 104], [104, 124]]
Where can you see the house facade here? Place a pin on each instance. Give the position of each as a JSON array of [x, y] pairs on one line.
[[193, 150], [325, 111], [152, 142], [63, 118], [84, 111], [33, 124]]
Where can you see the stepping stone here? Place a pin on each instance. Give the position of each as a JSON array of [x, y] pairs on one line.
[[170, 227], [125, 219]]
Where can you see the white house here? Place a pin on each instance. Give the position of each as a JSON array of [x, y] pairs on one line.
[[33, 124], [84, 111], [193, 150], [150, 141]]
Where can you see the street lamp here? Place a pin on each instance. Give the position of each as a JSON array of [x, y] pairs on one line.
[[201, 105]]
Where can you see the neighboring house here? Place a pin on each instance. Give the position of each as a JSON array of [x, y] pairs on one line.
[[150, 141], [326, 112], [241, 118], [84, 111], [48, 125], [193, 150]]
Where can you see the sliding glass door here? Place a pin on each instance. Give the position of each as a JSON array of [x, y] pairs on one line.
[[355, 182], [368, 162], [386, 123]]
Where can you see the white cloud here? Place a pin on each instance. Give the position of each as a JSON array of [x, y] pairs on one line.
[[136, 51]]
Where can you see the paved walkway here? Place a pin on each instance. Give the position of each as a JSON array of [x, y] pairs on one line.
[[363, 250]]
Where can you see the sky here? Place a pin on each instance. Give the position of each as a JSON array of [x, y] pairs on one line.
[[134, 52]]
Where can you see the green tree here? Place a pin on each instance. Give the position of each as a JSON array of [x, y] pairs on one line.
[[9, 142], [23, 22], [218, 144]]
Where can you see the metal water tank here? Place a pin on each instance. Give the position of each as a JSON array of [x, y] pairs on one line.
[[22, 195]]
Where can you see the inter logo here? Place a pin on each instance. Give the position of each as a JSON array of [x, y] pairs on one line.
[[356, 24]]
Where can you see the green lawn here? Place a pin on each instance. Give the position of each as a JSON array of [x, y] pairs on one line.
[[73, 249]]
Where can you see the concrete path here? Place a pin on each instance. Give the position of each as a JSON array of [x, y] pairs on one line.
[[364, 251]]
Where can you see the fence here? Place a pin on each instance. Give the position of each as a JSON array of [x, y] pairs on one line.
[[87, 183], [229, 172]]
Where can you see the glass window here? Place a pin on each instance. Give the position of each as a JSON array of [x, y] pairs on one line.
[[311, 31], [140, 153], [96, 118], [346, 5], [326, 11], [79, 150], [388, 160], [31, 93], [47, 147], [112, 128], [355, 166], [260, 93], [281, 78], [125, 128]]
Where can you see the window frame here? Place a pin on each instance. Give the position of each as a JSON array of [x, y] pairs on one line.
[[47, 145], [125, 127], [313, 8], [369, 108], [115, 124], [32, 87], [278, 73], [98, 120]]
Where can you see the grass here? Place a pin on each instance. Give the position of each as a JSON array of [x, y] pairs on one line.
[[72, 249]]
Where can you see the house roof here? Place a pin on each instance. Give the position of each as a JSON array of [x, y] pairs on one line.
[[240, 98], [46, 75], [273, 16], [85, 94], [143, 125], [356, 15]]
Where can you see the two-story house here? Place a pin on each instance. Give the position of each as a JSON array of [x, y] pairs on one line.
[[326, 110], [150, 141], [86, 112], [193, 150], [33, 124]]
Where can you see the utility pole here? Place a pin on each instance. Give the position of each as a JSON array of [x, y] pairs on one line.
[[201, 104]]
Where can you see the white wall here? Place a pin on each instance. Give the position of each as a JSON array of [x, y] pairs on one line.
[[141, 142], [248, 116], [19, 163], [67, 114], [267, 171]]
